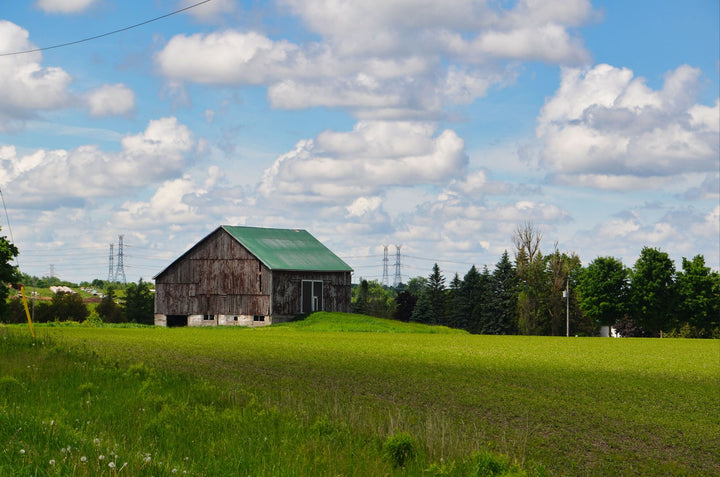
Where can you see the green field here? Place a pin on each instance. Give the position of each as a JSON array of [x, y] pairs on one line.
[[322, 397]]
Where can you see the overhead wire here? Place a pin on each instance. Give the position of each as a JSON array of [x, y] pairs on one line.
[[105, 34]]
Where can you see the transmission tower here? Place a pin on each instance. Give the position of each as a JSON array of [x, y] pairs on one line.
[[110, 266], [398, 278], [385, 278], [52, 270], [120, 271]]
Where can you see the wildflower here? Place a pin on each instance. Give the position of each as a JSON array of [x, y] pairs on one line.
[[52, 461], [96, 441], [83, 459], [111, 465], [68, 448], [174, 471], [101, 457], [22, 451], [147, 459]]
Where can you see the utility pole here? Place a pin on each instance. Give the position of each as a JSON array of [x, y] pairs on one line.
[[566, 294]]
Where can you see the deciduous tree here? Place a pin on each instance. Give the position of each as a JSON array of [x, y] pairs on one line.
[[603, 291], [653, 293], [699, 295], [139, 303]]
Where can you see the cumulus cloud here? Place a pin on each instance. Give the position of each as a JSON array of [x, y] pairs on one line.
[[64, 6], [374, 155], [383, 60], [25, 86], [474, 30], [606, 128], [111, 100], [210, 12], [53, 177]]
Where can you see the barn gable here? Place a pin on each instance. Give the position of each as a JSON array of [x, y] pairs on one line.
[[251, 276]]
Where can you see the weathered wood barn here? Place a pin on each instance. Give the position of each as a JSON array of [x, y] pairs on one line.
[[251, 276]]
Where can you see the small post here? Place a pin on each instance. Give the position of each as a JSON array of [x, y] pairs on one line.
[[567, 297]]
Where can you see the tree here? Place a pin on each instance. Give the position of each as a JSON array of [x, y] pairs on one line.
[[67, 307], [603, 291], [108, 310], [500, 312], [405, 304], [430, 307], [531, 268], [8, 272], [463, 303], [359, 301], [140, 303], [698, 291], [653, 294]]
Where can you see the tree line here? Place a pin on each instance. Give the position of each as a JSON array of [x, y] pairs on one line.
[[553, 294], [135, 306]]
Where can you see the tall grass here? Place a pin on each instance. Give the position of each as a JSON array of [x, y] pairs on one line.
[[293, 400]]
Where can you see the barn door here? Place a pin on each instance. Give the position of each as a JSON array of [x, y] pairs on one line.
[[312, 293]]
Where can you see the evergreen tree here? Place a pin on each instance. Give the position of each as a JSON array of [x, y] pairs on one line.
[[430, 307], [464, 300], [502, 299]]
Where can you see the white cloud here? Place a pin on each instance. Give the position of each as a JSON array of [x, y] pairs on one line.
[[64, 6], [383, 60], [55, 177], [26, 86], [111, 100], [373, 156], [210, 12], [604, 128]]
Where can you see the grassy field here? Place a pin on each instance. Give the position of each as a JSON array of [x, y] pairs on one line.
[[331, 395]]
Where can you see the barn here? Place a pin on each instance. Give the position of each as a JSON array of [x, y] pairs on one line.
[[251, 276]]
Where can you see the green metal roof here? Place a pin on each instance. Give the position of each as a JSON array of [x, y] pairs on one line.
[[287, 249]]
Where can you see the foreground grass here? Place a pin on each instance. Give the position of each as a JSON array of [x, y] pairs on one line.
[[293, 400]]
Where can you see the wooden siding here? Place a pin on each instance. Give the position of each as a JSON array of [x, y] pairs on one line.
[[217, 276], [287, 291]]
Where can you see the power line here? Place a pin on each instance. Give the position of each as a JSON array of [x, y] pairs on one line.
[[105, 34]]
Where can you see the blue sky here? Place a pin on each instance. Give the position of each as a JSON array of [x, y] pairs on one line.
[[440, 126]]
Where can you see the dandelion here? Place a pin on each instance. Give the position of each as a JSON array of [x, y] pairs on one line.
[[111, 465], [68, 448], [147, 459], [22, 451], [174, 471], [96, 441], [83, 459], [52, 461], [101, 457]]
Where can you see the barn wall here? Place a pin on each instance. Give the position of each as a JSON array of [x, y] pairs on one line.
[[216, 277], [287, 292]]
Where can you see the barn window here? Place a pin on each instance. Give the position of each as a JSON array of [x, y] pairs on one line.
[[258, 318], [312, 296], [209, 317]]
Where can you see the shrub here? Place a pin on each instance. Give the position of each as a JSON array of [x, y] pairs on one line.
[[399, 448]]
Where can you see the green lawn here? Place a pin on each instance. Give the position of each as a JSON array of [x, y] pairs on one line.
[[308, 399]]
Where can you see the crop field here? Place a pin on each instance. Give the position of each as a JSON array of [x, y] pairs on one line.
[[350, 395]]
